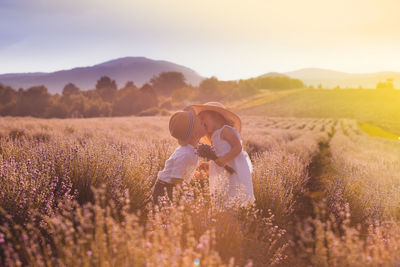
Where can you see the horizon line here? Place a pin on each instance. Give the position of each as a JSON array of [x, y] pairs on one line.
[[153, 59]]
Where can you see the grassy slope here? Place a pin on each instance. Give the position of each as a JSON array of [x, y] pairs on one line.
[[367, 106], [264, 97]]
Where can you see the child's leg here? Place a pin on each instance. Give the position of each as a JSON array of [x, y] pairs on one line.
[[160, 190]]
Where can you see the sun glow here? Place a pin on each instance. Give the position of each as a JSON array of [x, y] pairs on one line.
[[228, 39]]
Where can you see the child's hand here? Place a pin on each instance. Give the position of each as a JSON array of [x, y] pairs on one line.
[[199, 175], [221, 161], [204, 166], [202, 171]]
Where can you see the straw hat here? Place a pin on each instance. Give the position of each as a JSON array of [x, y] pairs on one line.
[[229, 116], [181, 124]]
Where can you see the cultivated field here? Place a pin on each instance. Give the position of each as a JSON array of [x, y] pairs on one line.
[[372, 107], [74, 192]]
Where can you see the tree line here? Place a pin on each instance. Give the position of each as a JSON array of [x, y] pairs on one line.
[[166, 91]]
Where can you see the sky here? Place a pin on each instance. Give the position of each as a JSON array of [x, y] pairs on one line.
[[229, 39]]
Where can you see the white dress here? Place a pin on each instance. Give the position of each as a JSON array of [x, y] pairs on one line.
[[236, 188]]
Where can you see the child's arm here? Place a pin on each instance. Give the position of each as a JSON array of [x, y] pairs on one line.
[[229, 136]]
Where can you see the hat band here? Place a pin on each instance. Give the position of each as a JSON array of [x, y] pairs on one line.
[[190, 128]]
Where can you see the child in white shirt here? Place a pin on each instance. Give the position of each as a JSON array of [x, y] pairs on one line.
[[187, 129]]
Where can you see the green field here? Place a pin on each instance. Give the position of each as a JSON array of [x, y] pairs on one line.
[[378, 108]]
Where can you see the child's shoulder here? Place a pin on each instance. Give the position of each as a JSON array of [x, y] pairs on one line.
[[187, 151], [228, 127], [224, 128], [229, 130]]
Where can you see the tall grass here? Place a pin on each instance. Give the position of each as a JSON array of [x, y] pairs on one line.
[[76, 193], [367, 174], [54, 214], [333, 240]]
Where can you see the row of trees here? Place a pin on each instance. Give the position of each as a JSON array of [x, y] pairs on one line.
[[388, 84], [215, 89], [276, 82], [104, 100], [167, 90]]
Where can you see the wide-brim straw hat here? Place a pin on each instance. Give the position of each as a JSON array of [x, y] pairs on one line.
[[228, 115]]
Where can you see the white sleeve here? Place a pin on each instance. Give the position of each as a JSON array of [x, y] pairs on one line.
[[182, 166]]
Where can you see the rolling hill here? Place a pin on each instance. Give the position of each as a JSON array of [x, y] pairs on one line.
[[136, 69], [273, 74]]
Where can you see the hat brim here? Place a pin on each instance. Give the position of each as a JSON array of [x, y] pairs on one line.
[[228, 115]]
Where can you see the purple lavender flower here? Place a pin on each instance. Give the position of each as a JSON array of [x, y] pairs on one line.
[[208, 152]]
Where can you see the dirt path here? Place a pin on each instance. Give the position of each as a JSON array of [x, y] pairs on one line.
[[318, 171]]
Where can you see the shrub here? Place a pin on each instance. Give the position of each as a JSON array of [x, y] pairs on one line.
[[166, 104], [164, 112], [149, 112]]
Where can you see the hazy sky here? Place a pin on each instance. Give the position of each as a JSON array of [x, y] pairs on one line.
[[229, 39]]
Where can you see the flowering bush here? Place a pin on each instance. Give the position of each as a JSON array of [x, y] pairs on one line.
[[76, 193]]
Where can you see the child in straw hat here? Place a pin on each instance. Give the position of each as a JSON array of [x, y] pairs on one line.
[[223, 132], [187, 129]]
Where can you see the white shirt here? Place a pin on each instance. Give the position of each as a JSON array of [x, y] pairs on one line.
[[180, 164]]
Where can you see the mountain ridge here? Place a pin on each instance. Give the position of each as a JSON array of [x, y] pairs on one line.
[[142, 69], [137, 69]]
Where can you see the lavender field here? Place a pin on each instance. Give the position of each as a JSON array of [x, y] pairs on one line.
[[74, 192]]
